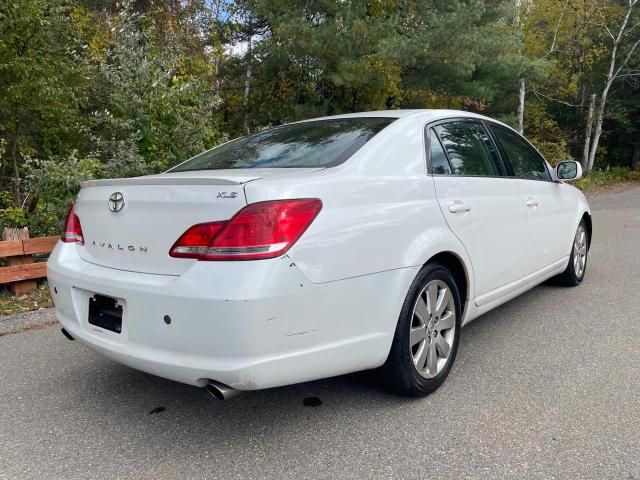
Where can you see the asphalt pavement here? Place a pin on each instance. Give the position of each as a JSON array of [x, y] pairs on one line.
[[545, 387]]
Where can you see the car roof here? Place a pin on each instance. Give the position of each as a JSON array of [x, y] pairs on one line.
[[422, 114], [376, 113]]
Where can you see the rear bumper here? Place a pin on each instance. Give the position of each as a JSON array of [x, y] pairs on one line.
[[249, 325]]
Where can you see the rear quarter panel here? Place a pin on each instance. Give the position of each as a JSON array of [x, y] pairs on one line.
[[379, 210]]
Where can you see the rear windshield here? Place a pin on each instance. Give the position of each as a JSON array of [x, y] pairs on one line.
[[321, 143]]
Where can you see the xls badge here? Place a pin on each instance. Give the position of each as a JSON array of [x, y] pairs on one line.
[[227, 194]]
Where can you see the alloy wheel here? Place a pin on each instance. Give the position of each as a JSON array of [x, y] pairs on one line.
[[580, 251], [432, 328]]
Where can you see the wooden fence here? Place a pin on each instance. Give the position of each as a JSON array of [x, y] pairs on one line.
[[21, 271]]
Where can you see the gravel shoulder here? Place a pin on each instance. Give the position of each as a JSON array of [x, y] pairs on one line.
[[26, 321]]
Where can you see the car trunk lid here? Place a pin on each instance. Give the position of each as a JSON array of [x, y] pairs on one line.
[[131, 224]]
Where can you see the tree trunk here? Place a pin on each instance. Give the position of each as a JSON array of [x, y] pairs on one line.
[[216, 66], [587, 134], [611, 76], [3, 146], [521, 94], [16, 168], [354, 100], [217, 53], [247, 87], [521, 90], [635, 156], [598, 132]]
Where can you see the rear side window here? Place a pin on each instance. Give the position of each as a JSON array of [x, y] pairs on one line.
[[321, 143], [439, 163], [469, 149], [524, 160]]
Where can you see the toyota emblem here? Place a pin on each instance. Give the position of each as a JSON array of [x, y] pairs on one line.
[[116, 202]]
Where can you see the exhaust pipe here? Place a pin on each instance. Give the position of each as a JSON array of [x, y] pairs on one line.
[[67, 334], [220, 390]]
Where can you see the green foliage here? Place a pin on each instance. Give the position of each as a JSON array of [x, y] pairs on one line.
[[41, 82], [466, 49], [13, 216], [575, 38], [53, 184], [155, 108], [545, 134]]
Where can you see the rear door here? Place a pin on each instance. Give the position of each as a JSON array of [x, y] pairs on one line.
[[547, 204], [481, 205]]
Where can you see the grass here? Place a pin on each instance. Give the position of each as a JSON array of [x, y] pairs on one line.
[[38, 298], [600, 180]]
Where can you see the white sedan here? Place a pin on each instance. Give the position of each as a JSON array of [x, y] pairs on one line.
[[316, 249]]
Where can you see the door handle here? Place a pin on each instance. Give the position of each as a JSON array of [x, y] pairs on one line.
[[458, 206], [532, 202]]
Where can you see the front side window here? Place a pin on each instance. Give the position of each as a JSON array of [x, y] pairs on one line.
[[469, 149], [524, 160], [320, 143]]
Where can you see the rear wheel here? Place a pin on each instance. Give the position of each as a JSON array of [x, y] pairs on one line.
[[427, 335], [577, 267]]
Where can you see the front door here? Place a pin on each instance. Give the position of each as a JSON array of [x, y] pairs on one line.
[[551, 223]]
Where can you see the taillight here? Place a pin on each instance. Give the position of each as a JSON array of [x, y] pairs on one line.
[[72, 231], [260, 230], [195, 242]]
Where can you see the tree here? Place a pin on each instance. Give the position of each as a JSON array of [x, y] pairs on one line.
[[623, 46], [569, 35], [522, 88], [42, 82], [327, 56], [153, 105], [464, 55]]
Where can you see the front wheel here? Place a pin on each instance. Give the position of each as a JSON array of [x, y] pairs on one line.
[[577, 267], [427, 334]]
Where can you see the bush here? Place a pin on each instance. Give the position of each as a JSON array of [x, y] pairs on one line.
[[53, 184]]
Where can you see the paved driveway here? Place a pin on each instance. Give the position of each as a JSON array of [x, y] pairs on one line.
[[547, 386]]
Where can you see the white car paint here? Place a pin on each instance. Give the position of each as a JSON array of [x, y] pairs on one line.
[[497, 247], [548, 221], [330, 304]]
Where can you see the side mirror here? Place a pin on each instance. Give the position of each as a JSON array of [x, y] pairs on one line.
[[570, 170]]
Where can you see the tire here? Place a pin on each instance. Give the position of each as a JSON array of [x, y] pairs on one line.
[[577, 267], [401, 372]]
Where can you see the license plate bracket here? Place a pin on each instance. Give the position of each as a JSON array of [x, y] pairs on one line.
[[105, 312]]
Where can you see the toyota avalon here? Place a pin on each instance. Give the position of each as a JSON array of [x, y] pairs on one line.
[[318, 248]]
